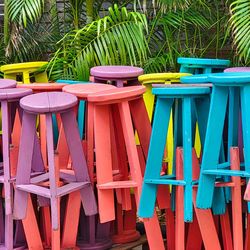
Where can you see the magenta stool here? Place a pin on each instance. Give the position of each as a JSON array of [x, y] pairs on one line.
[[119, 75], [8, 98], [61, 182]]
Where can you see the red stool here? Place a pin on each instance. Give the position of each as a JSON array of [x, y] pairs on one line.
[[121, 100]]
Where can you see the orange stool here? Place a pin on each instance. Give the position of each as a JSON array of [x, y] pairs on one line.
[[121, 100]]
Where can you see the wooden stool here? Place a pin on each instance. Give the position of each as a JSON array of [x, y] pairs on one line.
[[94, 235], [60, 183], [25, 70], [126, 102], [8, 97], [119, 75], [202, 65], [189, 97]]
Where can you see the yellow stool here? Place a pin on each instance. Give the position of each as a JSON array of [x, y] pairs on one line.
[[149, 99], [11, 71]]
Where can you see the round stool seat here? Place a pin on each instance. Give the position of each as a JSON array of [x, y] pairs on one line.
[[41, 87], [14, 93], [48, 102], [83, 90], [238, 69], [117, 94], [161, 77], [16, 67], [7, 84], [181, 89], [116, 72], [200, 78], [203, 61], [230, 79]]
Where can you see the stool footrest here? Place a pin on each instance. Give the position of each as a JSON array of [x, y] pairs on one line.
[[118, 184], [226, 172], [165, 182], [45, 192]]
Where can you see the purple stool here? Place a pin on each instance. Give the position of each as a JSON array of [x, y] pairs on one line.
[[9, 98], [116, 74], [49, 103], [7, 84]]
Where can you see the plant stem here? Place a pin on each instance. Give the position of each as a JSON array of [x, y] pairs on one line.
[[90, 10], [6, 23]]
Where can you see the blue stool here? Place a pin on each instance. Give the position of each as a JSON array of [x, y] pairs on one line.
[[81, 107], [189, 97], [223, 85], [202, 65]]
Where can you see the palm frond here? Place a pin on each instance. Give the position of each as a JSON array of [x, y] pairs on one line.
[[115, 39], [240, 23], [22, 11]]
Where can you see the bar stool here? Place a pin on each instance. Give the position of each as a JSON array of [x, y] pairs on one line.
[[210, 167], [126, 102], [166, 94], [202, 65], [8, 97], [26, 71], [119, 75], [93, 235], [60, 183]]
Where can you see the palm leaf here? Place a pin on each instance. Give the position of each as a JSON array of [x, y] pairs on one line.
[[22, 11], [115, 39], [240, 23]]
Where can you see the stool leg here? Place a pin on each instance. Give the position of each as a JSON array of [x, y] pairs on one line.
[[187, 159], [152, 226], [78, 161], [53, 174], [216, 119], [155, 156], [245, 102], [103, 162], [24, 163], [6, 157], [236, 201]]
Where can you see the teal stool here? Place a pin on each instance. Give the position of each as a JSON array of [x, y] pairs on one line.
[[189, 97], [81, 108], [202, 65], [223, 84]]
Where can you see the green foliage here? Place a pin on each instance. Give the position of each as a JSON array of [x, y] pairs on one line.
[[23, 11], [240, 23], [118, 38]]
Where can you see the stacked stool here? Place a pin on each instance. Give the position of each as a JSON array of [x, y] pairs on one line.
[[60, 183], [9, 102], [210, 167], [202, 65], [121, 104], [25, 71], [97, 235], [118, 75]]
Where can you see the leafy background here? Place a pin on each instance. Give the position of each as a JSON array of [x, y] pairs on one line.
[[74, 35]]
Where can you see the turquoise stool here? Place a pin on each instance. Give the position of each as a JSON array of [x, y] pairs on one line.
[[223, 84], [81, 108], [202, 65], [189, 97]]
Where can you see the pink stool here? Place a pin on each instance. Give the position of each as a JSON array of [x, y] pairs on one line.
[[7, 84], [9, 99], [61, 183], [117, 74]]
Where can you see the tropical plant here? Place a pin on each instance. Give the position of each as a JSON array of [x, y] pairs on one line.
[[240, 23], [118, 38]]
